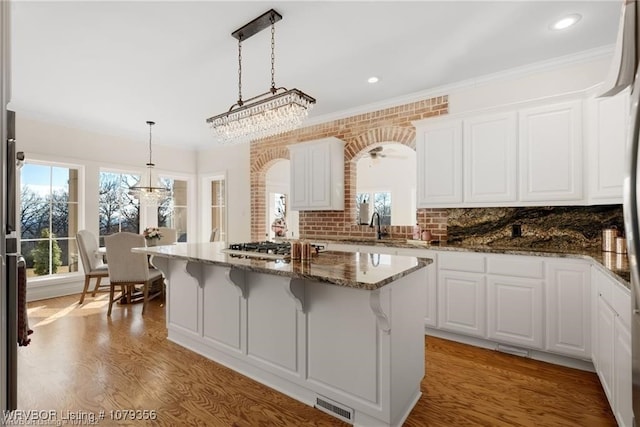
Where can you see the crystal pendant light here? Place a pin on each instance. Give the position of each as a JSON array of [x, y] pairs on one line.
[[274, 112], [145, 190]]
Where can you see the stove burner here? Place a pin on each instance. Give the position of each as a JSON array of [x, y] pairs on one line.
[[266, 247], [283, 248]]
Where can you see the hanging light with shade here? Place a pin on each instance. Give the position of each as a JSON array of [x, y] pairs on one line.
[[148, 189]]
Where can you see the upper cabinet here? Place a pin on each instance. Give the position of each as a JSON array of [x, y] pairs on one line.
[[606, 126], [490, 158], [317, 175], [439, 156], [525, 156], [550, 143]]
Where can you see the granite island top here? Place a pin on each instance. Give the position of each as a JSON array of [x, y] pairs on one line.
[[349, 269], [617, 265]]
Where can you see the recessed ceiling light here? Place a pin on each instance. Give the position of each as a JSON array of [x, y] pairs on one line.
[[566, 22], [373, 79]]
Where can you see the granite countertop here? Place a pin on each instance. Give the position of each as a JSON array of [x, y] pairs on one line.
[[350, 269], [615, 264]]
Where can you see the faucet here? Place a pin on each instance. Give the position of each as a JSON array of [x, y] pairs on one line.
[[380, 232]]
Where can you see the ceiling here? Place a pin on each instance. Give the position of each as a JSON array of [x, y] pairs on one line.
[[111, 66]]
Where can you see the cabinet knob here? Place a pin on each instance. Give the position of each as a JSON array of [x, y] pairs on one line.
[[636, 311]]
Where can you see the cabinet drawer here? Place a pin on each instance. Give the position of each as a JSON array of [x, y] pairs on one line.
[[516, 266], [621, 303], [473, 263]]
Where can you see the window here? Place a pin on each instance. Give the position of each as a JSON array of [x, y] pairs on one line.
[[381, 204], [49, 218], [118, 210], [172, 212], [218, 208]]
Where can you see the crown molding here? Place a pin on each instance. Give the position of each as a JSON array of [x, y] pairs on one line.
[[522, 71]]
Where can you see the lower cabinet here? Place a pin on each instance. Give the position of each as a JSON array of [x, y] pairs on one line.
[[515, 310], [612, 351], [568, 305], [461, 302]]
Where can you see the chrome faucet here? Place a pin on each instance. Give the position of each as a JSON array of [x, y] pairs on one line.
[[380, 232]]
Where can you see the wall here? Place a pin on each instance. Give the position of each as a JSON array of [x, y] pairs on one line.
[[578, 73], [232, 161], [360, 133]]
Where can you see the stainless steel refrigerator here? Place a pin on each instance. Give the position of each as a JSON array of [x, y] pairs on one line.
[[11, 257]]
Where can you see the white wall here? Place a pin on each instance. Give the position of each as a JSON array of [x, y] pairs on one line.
[[524, 84], [232, 160]]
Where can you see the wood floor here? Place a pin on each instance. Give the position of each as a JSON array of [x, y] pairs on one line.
[[79, 360]]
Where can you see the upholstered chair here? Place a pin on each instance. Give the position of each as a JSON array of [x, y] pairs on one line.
[[169, 236], [92, 262], [128, 269]]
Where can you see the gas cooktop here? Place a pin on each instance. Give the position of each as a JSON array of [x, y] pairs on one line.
[[264, 250]]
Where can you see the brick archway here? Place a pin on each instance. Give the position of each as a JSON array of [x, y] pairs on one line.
[[360, 133]]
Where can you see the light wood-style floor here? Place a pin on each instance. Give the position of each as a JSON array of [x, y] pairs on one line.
[[79, 360]]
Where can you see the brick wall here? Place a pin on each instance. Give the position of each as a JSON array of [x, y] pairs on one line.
[[360, 133]]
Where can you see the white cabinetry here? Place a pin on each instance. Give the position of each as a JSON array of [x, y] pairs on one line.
[[439, 155], [550, 143], [607, 134], [508, 157], [462, 293], [317, 175], [612, 352], [515, 300], [568, 308], [490, 158]]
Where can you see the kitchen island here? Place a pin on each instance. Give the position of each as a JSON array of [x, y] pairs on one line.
[[343, 332]]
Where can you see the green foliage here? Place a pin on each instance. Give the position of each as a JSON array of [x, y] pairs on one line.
[[41, 254]]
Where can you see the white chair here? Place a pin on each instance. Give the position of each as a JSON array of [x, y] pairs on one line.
[[169, 236], [92, 262], [127, 269]]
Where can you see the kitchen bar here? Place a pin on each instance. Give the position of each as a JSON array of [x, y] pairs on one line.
[[342, 332]]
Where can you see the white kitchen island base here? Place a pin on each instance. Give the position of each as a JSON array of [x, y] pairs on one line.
[[357, 354]]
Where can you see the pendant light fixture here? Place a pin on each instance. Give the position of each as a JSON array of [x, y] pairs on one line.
[[274, 112], [148, 189]]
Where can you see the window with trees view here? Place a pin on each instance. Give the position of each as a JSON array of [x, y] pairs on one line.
[[49, 218], [118, 210], [381, 204], [172, 212]]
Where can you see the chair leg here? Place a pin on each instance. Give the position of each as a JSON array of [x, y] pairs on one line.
[[93, 294], [146, 296], [111, 292], [86, 287]]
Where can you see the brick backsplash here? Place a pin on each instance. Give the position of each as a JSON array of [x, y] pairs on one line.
[[360, 133]]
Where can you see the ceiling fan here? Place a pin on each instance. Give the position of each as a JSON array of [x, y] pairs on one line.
[[377, 152]]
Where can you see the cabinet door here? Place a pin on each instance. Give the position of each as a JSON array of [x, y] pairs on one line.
[[490, 158], [608, 119], [622, 372], [298, 168], [439, 155], [462, 302], [606, 342], [319, 175], [568, 309], [550, 143], [515, 310]]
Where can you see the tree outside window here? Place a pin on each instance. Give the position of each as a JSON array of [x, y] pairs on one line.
[[172, 211], [118, 210], [49, 219]]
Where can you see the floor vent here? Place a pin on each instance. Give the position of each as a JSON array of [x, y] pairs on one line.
[[335, 409], [512, 350]]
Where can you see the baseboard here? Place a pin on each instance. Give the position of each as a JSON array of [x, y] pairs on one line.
[[42, 290], [542, 356]]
